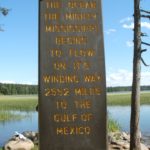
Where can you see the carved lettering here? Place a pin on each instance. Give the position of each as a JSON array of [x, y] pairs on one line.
[[81, 65], [86, 117], [60, 65], [65, 118], [83, 104], [52, 16], [56, 53], [71, 28], [81, 52], [63, 104], [81, 130], [87, 91], [80, 16], [71, 40], [56, 92], [61, 79], [72, 75], [53, 4], [82, 4], [92, 78]]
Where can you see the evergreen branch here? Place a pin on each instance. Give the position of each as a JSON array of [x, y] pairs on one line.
[[146, 16], [143, 34], [145, 11], [143, 50], [145, 43], [144, 62]]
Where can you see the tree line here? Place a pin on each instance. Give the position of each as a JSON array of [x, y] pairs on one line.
[[17, 89], [24, 89], [125, 88]]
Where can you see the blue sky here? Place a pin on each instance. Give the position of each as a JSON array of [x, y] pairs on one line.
[[19, 42]]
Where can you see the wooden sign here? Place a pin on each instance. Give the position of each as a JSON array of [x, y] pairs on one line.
[[72, 90]]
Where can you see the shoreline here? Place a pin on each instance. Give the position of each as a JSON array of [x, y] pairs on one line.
[[119, 139]]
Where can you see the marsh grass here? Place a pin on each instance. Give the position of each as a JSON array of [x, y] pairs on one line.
[[20, 103], [113, 125], [10, 104], [28, 103], [125, 99], [10, 116]]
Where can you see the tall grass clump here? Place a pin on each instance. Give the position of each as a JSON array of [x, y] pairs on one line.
[[113, 125]]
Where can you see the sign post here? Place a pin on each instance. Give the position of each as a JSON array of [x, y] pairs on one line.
[[72, 89]]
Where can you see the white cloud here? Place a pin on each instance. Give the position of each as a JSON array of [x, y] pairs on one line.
[[124, 78], [129, 43], [119, 78], [145, 25], [131, 25], [14, 82], [110, 31], [8, 81], [127, 19], [128, 26]]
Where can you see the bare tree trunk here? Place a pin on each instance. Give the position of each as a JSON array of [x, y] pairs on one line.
[[135, 99]]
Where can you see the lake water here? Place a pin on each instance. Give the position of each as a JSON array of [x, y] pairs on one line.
[[122, 115], [7, 129], [119, 113]]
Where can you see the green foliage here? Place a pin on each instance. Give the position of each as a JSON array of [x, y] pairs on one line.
[[113, 125], [125, 88], [21, 103], [18, 89], [4, 90], [23, 89]]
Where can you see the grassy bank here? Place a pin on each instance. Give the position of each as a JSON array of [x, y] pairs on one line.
[[125, 99], [21, 103]]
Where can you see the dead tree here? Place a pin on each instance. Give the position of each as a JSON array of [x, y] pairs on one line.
[[135, 97]]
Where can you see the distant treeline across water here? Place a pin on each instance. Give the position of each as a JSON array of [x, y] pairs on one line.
[[24, 89], [18, 89], [126, 88]]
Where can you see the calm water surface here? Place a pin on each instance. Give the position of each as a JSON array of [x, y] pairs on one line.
[[122, 115], [7, 129], [119, 113]]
